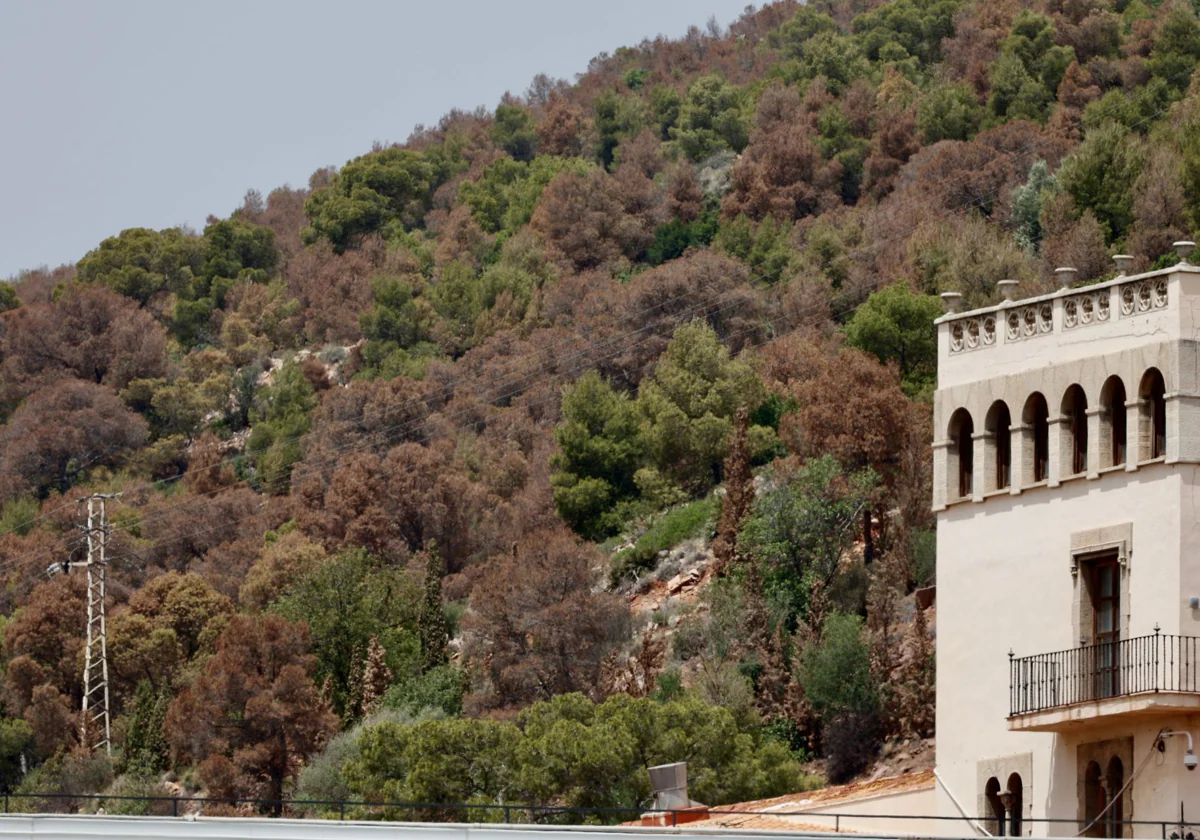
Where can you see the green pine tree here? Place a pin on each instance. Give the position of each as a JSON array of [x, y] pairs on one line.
[[146, 747], [432, 623]]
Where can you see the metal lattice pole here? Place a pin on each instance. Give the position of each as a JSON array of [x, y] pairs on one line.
[[96, 726]]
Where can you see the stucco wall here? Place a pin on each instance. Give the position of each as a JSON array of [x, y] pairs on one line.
[[1004, 582], [906, 809]]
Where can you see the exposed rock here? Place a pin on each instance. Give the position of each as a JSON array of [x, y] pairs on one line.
[[689, 578]]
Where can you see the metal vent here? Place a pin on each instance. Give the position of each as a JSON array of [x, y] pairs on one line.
[[669, 782]]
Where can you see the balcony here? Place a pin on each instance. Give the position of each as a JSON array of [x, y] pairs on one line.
[[1095, 684]]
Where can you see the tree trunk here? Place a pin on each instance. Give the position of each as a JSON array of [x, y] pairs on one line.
[[868, 537]]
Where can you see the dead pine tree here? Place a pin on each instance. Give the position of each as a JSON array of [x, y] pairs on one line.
[[739, 493], [377, 676]]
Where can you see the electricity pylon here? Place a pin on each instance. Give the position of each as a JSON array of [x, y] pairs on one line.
[[95, 725]]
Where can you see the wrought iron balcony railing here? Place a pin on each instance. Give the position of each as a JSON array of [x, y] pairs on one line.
[[1141, 665]]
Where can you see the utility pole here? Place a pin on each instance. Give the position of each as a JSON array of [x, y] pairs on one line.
[[95, 726]]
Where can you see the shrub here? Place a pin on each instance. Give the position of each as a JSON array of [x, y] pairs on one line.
[[837, 679], [923, 550], [438, 689], [666, 532], [18, 515], [321, 779]]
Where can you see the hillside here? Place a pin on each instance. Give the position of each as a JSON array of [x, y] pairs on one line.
[[398, 450]]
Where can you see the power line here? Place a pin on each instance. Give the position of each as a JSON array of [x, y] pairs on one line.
[[543, 400], [273, 484], [402, 426], [450, 389]]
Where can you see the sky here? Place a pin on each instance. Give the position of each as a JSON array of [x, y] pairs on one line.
[[155, 113]]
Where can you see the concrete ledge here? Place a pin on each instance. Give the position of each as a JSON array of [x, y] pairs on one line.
[[1096, 712]]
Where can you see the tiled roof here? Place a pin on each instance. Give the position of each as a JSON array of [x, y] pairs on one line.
[[810, 800], [755, 822], [777, 814]]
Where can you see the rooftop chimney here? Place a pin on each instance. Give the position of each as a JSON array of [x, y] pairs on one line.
[[1066, 276], [1124, 263], [1008, 288], [669, 783], [671, 803]]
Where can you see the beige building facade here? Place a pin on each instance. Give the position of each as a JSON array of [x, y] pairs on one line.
[[1066, 449]]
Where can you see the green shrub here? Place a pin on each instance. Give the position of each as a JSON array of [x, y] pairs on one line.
[[667, 531], [18, 514], [837, 679], [923, 552], [572, 752], [321, 779], [440, 689]]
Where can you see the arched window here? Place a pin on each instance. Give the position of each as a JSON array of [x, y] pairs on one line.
[[1074, 410], [1152, 395], [1036, 416], [1093, 801], [1014, 805], [1112, 400], [1114, 820], [962, 454], [999, 426], [996, 816]]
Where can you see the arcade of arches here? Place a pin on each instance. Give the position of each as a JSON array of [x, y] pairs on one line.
[[1022, 452], [1104, 803], [1006, 806]]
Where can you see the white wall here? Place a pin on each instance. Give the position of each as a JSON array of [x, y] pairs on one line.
[[856, 815], [1004, 583]]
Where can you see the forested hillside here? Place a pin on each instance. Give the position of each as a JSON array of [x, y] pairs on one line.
[[399, 449]]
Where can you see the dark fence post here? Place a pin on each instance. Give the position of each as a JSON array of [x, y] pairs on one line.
[[506, 815], [175, 806], [341, 810]]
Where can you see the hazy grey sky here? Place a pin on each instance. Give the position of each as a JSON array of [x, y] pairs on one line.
[[122, 114]]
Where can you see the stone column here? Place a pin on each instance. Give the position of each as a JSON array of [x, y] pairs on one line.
[[1177, 406], [1060, 448], [983, 478], [1137, 432], [1183, 427], [1022, 456], [941, 458]]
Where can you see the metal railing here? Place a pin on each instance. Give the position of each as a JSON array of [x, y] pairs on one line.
[[24, 804], [1141, 665]]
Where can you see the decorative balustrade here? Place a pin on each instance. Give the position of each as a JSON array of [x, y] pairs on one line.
[[1082, 308], [1143, 296], [972, 333], [1029, 322], [1089, 308]]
